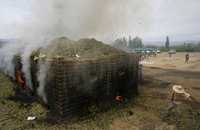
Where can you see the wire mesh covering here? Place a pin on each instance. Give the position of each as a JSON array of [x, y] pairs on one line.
[[73, 85], [100, 74]]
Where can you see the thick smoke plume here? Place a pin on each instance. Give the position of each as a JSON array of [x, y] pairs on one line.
[[75, 18], [43, 68], [34, 23]]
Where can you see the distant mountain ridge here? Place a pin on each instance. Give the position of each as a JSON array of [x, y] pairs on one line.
[[5, 41]]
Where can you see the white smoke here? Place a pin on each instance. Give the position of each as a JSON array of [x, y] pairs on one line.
[[6, 56], [26, 60], [75, 18], [36, 22], [41, 75]]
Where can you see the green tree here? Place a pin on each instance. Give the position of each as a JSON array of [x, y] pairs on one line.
[[120, 43], [135, 43], [167, 44]]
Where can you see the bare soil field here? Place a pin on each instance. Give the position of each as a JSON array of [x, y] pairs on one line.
[[175, 70], [176, 61], [151, 110]]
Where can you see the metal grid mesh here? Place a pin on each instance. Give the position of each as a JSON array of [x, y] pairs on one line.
[[71, 85]]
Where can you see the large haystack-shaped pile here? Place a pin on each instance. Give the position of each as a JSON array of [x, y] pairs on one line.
[[83, 71]]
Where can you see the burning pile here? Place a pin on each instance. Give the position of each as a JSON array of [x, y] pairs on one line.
[[68, 74]]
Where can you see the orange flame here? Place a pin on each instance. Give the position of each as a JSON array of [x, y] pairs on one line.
[[19, 79]]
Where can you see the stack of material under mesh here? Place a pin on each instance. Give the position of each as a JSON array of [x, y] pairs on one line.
[[85, 71]]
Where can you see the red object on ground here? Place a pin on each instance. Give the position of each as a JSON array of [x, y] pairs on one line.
[[119, 98]]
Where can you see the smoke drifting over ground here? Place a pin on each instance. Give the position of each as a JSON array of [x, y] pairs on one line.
[[35, 23]]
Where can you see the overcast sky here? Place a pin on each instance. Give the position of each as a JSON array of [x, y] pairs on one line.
[[102, 19]]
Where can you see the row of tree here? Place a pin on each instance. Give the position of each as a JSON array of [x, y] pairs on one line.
[[185, 47], [131, 43]]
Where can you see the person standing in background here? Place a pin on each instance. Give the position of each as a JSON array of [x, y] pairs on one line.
[[187, 58]]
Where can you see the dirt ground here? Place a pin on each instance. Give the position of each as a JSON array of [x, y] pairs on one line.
[[151, 110], [176, 61], [175, 70]]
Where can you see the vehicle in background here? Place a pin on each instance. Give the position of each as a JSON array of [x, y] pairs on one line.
[[172, 51], [158, 51], [146, 51]]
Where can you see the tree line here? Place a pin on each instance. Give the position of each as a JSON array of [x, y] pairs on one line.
[[130, 43], [185, 47]]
